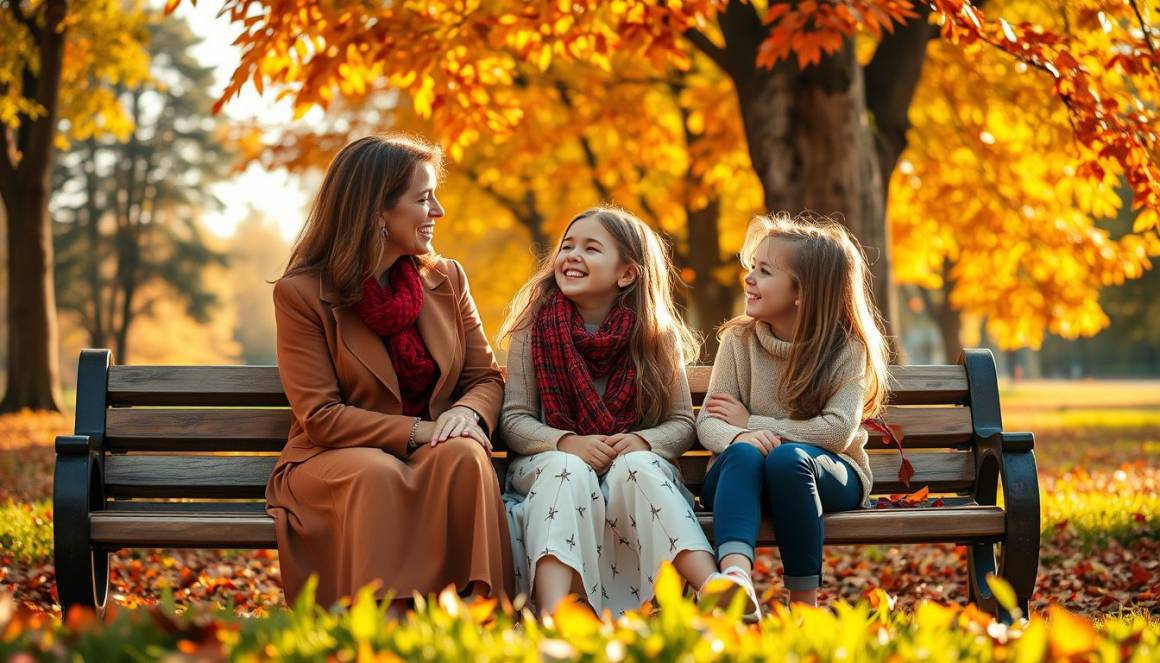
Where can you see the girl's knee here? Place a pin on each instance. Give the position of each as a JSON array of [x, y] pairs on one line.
[[567, 471], [742, 454], [789, 460], [629, 466]]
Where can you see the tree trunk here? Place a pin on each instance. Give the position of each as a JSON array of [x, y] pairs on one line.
[[950, 325], [26, 156], [811, 146], [891, 79], [98, 332], [532, 219], [711, 302], [33, 366]]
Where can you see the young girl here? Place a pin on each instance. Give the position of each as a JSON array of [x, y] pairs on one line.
[[793, 380], [597, 405]]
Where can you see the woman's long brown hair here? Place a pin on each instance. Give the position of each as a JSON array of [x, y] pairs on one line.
[[834, 284], [658, 360], [342, 237]]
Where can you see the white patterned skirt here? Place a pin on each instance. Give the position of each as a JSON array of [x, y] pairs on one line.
[[614, 531]]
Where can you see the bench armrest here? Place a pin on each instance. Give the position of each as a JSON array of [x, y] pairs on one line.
[[1017, 442], [76, 445]]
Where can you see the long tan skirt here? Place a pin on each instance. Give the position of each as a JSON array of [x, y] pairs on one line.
[[358, 515]]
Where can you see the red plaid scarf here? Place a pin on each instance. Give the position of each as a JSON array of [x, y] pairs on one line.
[[568, 358], [391, 312]]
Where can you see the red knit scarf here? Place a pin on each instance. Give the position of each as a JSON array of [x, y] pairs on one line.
[[391, 312], [568, 359]]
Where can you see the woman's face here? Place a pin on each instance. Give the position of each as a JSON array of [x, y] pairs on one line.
[[771, 288], [410, 223], [588, 264]]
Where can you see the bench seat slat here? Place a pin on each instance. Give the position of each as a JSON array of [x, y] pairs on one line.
[[215, 507], [254, 430], [963, 524], [197, 476], [226, 386]]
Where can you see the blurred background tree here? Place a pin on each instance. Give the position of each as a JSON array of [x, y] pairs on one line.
[[55, 51], [126, 210]]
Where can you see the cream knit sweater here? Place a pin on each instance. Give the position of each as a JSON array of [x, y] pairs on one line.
[[749, 366]]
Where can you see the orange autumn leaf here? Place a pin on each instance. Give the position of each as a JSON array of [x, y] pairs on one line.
[[917, 497], [1069, 635]]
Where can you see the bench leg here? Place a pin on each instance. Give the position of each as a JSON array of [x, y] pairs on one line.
[[1017, 560], [1020, 561], [82, 571]]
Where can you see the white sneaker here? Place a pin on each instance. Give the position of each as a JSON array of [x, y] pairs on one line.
[[737, 576]]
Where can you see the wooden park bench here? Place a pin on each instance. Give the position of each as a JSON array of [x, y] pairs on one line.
[[178, 457]]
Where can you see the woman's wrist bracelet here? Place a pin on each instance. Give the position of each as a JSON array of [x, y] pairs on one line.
[[411, 445]]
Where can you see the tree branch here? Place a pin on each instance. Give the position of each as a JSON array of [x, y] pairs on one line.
[[7, 157], [642, 200], [525, 212], [706, 46], [585, 146], [511, 204], [891, 79], [23, 19], [1146, 29], [743, 32], [927, 299]]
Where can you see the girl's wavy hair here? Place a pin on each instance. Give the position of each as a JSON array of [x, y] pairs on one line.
[[829, 270], [658, 360]]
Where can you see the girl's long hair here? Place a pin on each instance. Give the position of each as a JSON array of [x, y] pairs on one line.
[[836, 311], [658, 360], [342, 238]]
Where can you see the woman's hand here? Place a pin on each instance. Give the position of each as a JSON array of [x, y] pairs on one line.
[[592, 449], [459, 421], [623, 443], [727, 409], [764, 440]]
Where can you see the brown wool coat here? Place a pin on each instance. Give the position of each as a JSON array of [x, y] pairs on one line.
[[349, 505]]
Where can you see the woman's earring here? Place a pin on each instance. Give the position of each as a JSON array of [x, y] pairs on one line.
[[797, 302], [386, 235]]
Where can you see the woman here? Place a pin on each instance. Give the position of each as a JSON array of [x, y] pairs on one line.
[[386, 476]]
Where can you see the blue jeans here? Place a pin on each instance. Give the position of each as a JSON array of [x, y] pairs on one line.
[[797, 483]]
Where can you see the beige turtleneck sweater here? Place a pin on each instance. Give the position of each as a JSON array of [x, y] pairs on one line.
[[749, 365]]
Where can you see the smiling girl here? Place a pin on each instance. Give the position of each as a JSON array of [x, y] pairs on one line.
[[793, 380], [597, 405]]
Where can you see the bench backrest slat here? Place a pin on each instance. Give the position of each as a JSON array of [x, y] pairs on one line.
[[242, 477], [259, 386], [251, 430]]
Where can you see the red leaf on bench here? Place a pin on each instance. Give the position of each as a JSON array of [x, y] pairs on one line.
[[905, 471], [892, 435]]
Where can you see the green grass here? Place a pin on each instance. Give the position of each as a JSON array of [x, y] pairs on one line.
[[1064, 394], [26, 531], [1109, 420]]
